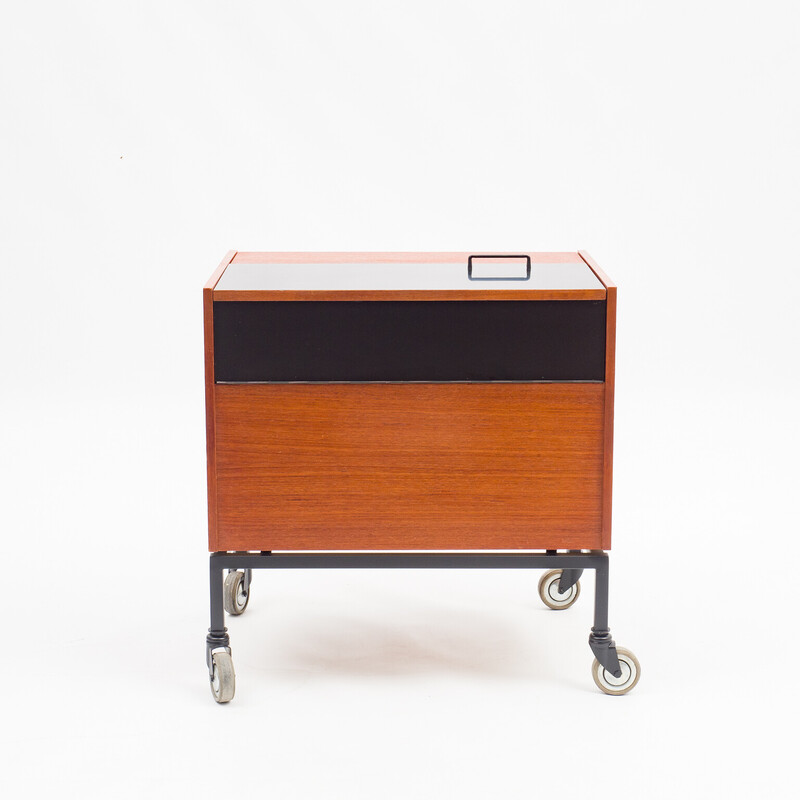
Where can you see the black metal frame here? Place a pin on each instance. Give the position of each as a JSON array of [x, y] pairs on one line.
[[572, 564]]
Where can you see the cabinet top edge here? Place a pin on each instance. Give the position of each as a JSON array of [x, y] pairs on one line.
[[407, 276], [399, 257]]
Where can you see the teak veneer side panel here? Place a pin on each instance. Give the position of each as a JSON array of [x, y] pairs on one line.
[[393, 258], [608, 422], [208, 338], [389, 294], [409, 466]]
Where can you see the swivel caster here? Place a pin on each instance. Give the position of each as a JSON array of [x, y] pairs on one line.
[[550, 594], [631, 672], [222, 677], [236, 593]]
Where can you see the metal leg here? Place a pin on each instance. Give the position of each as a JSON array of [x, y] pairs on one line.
[[603, 647], [217, 637], [569, 577], [248, 577]]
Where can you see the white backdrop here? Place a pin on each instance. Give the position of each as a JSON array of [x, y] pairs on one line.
[[140, 141]]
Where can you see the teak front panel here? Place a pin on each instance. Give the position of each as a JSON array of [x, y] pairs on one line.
[[408, 466]]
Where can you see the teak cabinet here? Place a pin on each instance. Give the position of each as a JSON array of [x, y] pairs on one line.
[[410, 411], [409, 401]]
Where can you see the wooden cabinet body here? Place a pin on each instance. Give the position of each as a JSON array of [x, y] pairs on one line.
[[389, 401]]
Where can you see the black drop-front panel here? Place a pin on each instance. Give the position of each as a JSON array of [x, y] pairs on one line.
[[428, 341]]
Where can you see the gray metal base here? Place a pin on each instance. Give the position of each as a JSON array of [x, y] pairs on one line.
[[572, 563]]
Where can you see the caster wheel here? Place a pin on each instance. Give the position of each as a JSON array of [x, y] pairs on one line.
[[631, 672], [223, 679], [234, 596], [551, 597]]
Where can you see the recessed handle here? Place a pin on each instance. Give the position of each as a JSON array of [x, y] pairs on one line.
[[507, 262]]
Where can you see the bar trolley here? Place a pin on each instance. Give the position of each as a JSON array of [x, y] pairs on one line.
[[411, 411]]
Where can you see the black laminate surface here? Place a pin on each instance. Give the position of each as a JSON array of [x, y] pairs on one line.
[[428, 341]]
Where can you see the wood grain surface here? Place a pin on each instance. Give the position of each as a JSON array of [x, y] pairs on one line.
[[431, 295], [408, 466], [208, 338], [608, 397]]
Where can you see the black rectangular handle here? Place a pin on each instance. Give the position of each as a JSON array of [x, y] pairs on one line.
[[527, 260]]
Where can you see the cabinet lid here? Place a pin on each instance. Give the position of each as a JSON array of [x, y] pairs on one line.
[[418, 276]]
